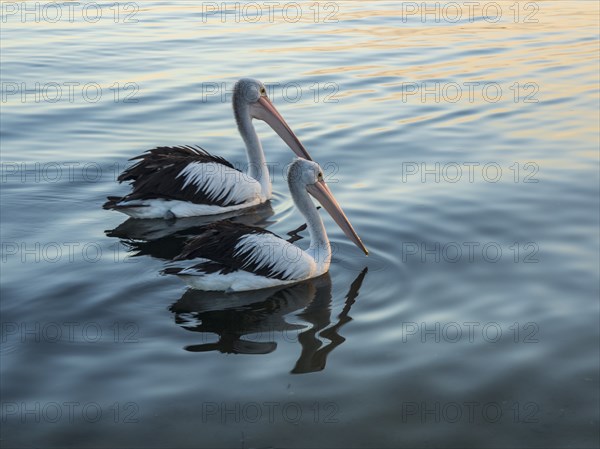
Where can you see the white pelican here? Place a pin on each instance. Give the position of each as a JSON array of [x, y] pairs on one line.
[[173, 182], [236, 257]]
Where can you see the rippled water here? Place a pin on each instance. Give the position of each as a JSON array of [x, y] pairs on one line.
[[464, 150]]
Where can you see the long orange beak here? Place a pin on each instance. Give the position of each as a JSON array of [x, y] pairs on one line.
[[264, 110], [324, 196]]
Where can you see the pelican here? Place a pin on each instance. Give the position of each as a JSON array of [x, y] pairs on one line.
[[235, 257], [174, 182]]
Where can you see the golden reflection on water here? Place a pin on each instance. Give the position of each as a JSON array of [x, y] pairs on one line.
[[386, 52]]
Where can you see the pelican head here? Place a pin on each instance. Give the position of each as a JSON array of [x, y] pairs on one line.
[[251, 95], [309, 175]]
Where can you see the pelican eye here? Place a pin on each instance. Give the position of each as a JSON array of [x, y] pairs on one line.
[[320, 176], [263, 91]]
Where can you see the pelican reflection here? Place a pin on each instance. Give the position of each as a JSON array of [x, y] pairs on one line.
[[164, 239], [250, 322]]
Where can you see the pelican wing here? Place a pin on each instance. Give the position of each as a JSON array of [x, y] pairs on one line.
[[187, 174], [226, 247], [162, 157]]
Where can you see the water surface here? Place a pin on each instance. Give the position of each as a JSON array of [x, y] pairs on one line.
[[465, 152]]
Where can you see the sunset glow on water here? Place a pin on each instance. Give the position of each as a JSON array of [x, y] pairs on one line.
[[463, 144]]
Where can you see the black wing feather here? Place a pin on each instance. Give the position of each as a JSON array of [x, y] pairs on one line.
[[217, 243], [155, 176], [159, 158]]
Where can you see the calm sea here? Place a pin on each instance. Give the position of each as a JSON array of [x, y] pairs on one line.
[[461, 139]]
